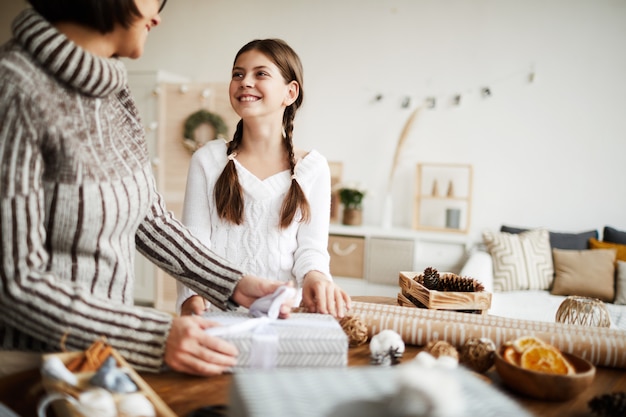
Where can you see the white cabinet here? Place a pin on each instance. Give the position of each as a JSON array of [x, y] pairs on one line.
[[145, 88], [381, 253]]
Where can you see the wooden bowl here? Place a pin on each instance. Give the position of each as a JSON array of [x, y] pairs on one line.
[[544, 386]]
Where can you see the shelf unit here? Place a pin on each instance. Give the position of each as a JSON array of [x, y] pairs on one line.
[[443, 197]]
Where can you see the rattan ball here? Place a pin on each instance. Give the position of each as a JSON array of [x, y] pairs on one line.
[[478, 354], [441, 348], [355, 329], [583, 311]]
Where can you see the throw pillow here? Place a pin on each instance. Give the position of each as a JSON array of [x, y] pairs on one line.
[[621, 249], [620, 283], [520, 261], [560, 240], [587, 273], [613, 235]]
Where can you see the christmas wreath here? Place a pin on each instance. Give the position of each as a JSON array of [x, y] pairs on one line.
[[195, 120]]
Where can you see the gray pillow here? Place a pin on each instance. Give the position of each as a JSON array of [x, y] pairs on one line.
[[614, 236], [577, 241]]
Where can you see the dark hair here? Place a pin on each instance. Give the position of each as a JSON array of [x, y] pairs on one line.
[[101, 15], [228, 194]]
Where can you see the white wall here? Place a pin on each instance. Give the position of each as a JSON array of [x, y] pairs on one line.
[[548, 153]]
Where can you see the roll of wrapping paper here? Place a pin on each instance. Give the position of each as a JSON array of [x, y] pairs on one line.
[[417, 326]]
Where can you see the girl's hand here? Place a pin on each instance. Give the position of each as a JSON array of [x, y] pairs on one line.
[[320, 295], [193, 305]]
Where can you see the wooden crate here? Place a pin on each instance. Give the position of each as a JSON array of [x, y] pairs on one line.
[[414, 294], [65, 409]]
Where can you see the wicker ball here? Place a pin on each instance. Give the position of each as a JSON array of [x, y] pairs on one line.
[[583, 311], [355, 329], [478, 354], [441, 348]]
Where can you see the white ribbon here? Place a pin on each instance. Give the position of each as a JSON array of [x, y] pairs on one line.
[[264, 348], [265, 309], [270, 304]]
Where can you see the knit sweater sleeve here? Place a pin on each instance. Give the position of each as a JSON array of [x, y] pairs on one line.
[[312, 252], [172, 246], [40, 308]]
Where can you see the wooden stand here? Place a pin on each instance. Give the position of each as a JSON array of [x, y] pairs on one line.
[[414, 294]]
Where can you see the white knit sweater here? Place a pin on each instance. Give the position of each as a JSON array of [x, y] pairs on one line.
[[258, 245], [76, 195]]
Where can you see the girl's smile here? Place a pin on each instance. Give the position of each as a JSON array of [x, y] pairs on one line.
[[257, 87]]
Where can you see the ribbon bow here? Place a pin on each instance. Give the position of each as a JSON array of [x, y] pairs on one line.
[[265, 310]]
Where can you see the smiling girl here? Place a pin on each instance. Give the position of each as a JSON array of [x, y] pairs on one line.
[[256, 199]]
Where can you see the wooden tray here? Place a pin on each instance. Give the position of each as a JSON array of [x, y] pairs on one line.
[[65, 409], [414, 294]]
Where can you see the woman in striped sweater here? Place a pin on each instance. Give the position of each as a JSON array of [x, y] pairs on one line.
[[77, 195]]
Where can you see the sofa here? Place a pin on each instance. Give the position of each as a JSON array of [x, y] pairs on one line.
[[531, 271]]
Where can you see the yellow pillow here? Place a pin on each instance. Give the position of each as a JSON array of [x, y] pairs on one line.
[[621, 249]]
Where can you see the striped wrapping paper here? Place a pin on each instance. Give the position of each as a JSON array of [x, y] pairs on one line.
[[601, 346]]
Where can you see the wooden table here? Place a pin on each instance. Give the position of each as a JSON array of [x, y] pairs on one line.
[[184, 393]]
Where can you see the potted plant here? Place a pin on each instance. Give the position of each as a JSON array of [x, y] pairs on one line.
[[352, 200]]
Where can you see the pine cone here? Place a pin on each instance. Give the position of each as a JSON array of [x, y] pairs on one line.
[[608, 405], [478, 286], [431, 278], [453, 282]]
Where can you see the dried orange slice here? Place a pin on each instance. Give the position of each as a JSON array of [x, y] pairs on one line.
[[523, 343], [511, 355], [545, 358]]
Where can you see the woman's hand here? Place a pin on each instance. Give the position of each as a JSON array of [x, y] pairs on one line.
[[250, 288], [191, 350], [193, 305], [320, 295]]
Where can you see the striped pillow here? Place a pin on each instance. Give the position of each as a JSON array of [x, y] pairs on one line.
[[520, 261]]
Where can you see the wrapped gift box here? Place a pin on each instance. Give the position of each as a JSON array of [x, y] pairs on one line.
[[365, 391], [302, 340]]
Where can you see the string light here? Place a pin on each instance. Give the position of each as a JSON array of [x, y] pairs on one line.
[[486, 91]]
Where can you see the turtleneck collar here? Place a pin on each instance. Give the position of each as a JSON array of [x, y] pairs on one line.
[[88, 73]]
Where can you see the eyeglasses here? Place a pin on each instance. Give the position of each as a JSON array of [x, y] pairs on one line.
[[162, 2]]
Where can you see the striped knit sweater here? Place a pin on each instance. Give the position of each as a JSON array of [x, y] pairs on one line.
[[76, 196]]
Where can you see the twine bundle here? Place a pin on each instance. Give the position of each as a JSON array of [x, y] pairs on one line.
[[355, 329], [583, 311]]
